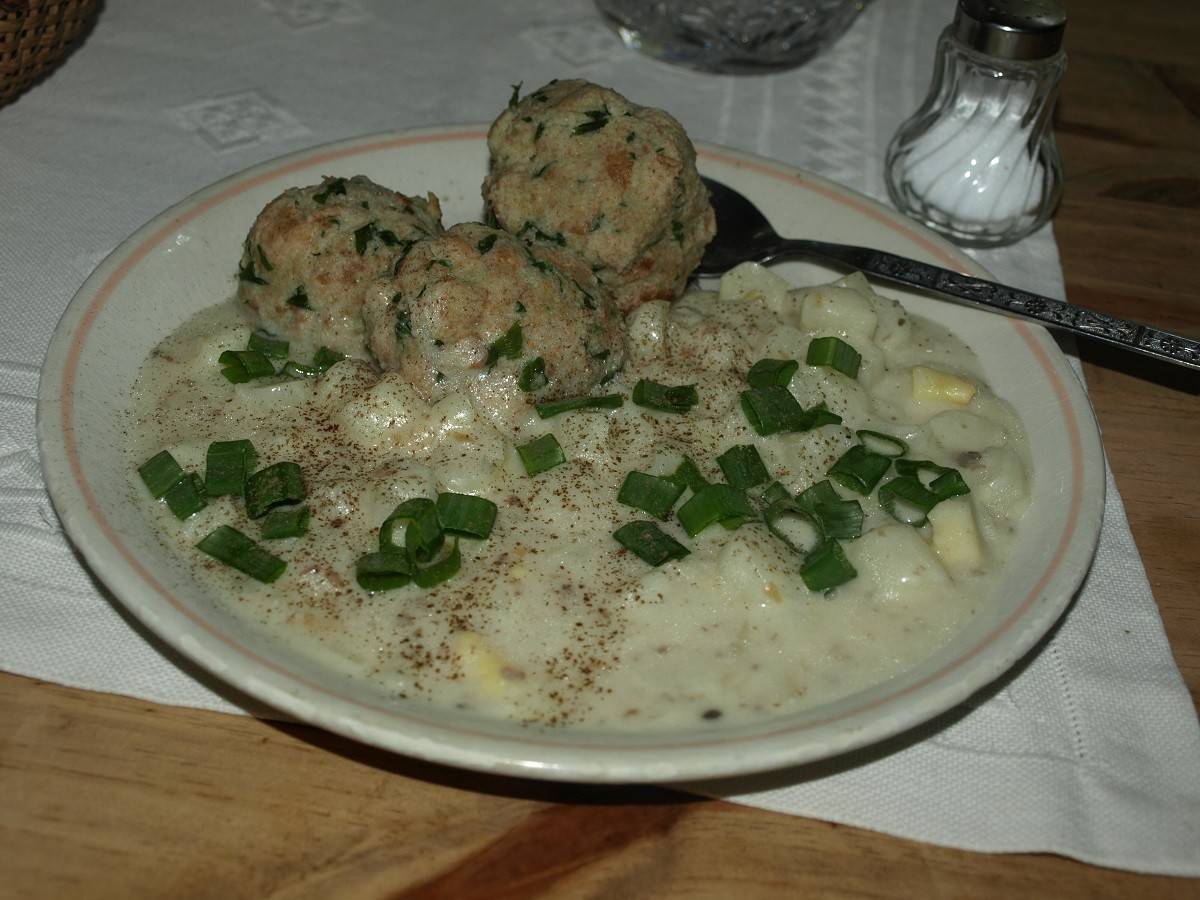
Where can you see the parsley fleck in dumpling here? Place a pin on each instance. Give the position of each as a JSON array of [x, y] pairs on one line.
[[313, 252], [477, 302], [579, 166]]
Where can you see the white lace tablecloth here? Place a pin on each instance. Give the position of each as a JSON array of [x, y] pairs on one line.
[[1090, 749]]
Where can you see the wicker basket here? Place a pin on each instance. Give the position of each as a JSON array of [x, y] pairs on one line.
[[34, 37]]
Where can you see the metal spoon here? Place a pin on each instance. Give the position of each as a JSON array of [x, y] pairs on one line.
[[744, 234]]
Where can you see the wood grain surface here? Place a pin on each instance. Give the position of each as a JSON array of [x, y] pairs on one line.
[[104, 796]]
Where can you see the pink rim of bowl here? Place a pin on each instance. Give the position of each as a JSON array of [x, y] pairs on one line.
[[185, 621]]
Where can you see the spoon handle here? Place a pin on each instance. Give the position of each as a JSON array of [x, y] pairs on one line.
[[1164, 345]]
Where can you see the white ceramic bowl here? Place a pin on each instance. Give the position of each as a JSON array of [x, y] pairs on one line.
[[183, 260]]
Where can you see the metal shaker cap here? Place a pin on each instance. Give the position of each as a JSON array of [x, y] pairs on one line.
[[1011, 29]]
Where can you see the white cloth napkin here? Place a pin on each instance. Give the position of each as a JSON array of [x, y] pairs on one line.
[[1090, 748]]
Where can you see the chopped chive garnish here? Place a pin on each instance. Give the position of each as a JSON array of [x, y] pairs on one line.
[[883, 444], [268, 346], [466, 514], [821, 492], [516, 95], [286, 522], [766, 372], [677, 399], [247, 273], [949, 484], [650, 493], [840, 518], [269, 487], [859, 469], [230, 546], [773, 409], [687, 475], [160, 473], [541, 454], [486, 243], [789, 522], [227, 464], [186, 496], [556, 407], [834, 353], [649, 543], [906, 500], [325, 358], [743, 467], [715, 503], [385, 570], [533, 376], [507, 345], [826, 567], [943, 481], [423, 534], [775, 491], [439, 571], [240, 366], [293, 369]]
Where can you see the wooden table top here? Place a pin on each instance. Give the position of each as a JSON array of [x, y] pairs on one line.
[[104, 796]]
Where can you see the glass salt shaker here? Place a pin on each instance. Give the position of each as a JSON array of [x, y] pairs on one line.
[[977, 162]]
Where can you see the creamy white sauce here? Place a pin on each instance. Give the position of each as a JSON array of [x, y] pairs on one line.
[[550, 621]]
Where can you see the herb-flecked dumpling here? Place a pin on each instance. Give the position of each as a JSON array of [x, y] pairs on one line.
[[313, 252], [579, 166], [477, 303]]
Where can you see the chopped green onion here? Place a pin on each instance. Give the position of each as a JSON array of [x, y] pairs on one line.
[[826, 567], [650, 493], [557, 407], [385, 570], [840, 518], [821, 492], [687, 475], [272, 486], [715, 503], [240, 366], [324, 358], [766, 372], [789, 522], [649, 542], [186, 496], [160, 473], [859, 469], [677, 399], [507, 345], [466, 514], [442, 570], [743, 467], [289, 522], [834, 353], [883, 444], [773, 492], [906, 500], [533, 376], [541, 454], [423, 534], [949, 484], [293, 369], [230, 546], [227, 465], [773, 409], [943, 481], [268, 346]]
